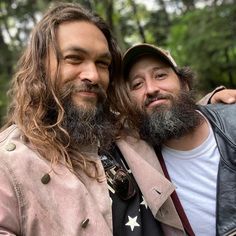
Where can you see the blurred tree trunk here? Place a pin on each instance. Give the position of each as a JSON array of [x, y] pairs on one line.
[[109, 13], [183, 5], [6, 56], [88, 4], [229, 70], [163, 8], [140, 28], [189, 4]]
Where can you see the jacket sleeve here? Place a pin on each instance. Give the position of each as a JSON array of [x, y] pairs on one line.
[[9, 208], [207, 98]]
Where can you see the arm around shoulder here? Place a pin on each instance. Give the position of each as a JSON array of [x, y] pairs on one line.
[[207, 98], [219, 95]]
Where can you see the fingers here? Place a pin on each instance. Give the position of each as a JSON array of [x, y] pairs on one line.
[[227, 96]]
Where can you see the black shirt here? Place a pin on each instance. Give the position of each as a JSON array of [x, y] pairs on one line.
[[131, 217]]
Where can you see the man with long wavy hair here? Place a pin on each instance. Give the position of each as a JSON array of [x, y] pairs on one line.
[[52, 180]]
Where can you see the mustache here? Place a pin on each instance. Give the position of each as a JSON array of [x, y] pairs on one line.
[[72, 88], [156, 97]]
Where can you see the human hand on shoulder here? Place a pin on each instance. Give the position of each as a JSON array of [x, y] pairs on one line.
[[227, 96]]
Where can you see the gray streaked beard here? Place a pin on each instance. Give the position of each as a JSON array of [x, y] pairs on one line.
[[166, 123]]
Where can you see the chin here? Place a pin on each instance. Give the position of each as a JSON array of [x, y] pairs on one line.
[[85, 104], [162, 107]]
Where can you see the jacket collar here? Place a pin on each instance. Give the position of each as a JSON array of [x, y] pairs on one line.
[[155, 187]]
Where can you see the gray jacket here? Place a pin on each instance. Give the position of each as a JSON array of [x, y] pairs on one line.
[[223, 121]]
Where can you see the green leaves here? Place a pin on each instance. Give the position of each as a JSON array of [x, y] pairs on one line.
[[203, 38]]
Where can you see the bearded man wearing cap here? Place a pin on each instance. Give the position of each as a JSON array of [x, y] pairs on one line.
[[191, 185]]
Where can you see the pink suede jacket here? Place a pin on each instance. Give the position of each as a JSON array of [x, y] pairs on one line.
[[61, 206]]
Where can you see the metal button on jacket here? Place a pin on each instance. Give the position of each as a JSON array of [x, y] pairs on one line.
[[46, 179], [10, 147], [84, 223]]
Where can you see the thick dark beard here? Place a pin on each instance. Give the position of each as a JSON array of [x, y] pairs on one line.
[[87, 125], [167, 123]]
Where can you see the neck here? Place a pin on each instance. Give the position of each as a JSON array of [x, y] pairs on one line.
[[191, 140]]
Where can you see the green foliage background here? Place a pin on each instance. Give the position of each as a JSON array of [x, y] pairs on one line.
[[198, 33]]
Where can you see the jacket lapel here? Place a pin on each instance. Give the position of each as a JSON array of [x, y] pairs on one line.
[[156, 189]]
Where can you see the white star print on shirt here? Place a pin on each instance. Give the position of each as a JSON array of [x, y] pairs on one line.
[[144, 203], [132, 222]]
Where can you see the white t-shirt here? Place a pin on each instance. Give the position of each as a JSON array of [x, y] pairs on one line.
[[194, 173]]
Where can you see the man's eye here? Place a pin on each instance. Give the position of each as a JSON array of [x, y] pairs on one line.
[[103, 64], [160, 75], [136, 85], [73, 59]]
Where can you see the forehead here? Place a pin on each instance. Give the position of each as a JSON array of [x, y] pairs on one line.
[[146, 63], [83, 34]]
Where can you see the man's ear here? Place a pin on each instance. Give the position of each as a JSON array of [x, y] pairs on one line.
[[185, 86]]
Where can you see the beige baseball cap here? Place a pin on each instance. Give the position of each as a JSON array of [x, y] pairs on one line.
[[138, 50]]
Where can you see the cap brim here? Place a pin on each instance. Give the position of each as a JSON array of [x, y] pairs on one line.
[[135, 52]]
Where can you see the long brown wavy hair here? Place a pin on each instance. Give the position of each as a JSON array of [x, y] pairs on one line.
[[34, 95]]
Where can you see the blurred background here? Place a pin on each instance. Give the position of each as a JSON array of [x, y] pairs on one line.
[[198, 33]]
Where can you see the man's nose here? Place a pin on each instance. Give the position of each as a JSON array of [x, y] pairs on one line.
[[90, 73], [151, 87]]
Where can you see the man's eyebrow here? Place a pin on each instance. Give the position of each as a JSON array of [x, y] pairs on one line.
[[137, 75], [105, 55], [159, 67], [74, 48]]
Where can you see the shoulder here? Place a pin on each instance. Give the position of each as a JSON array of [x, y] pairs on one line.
[[17, 158], [12, 145], [9, 133], [222, 118], [224, 111]]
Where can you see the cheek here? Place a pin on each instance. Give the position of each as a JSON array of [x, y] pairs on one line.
[[106, 84], [105, 80], [69, 74], [67, 71]]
